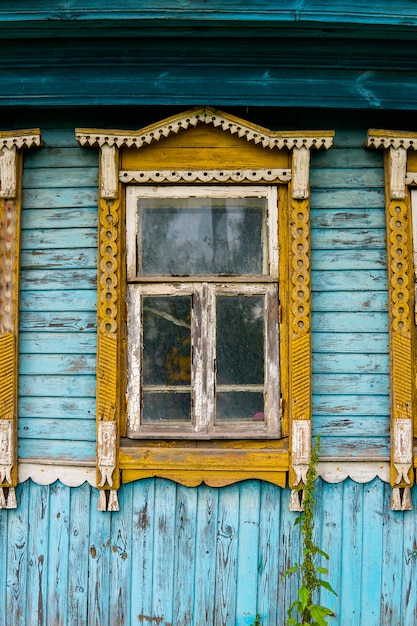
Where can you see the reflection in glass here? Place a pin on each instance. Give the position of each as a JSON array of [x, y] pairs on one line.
[[166, 358], [196, 236], [240, 358]]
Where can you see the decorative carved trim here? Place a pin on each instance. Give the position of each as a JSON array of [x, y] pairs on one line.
[[9, 257], [360, 472], [108, 345], [300, 459], [106, 451], [109, 172], [397, 172], [69, 475], [411, 178], [301, 172], [204, 115], [389, 139], [7, 455], [208, 176]]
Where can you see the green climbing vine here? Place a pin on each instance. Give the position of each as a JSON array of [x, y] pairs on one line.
[[304, 606]]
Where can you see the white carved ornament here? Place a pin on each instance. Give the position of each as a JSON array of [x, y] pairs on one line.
[[375, 140], [106, 451], [204, 176], [205, 115]]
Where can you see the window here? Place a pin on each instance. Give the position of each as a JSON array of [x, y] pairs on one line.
[[203, 381], [203, 353]]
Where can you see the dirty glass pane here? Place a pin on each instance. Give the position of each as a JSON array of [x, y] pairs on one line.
[[195, 236], [239, 405], [240, 340], [166, 357], [165, 407]]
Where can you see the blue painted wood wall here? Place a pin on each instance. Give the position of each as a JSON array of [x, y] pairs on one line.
[[194, 557]]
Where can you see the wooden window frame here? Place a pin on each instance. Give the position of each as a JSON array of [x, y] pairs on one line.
[[216, 462], [11, 144], [400, 166], [203, 290]]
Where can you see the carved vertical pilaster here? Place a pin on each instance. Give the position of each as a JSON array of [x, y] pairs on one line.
[[10, 208], [110, 298], [300, 327]]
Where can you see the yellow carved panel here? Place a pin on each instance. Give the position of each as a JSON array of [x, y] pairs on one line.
[[8, 376], [203, 147]]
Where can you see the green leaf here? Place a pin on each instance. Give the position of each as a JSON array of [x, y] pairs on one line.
[[318, 613], [326, 556], [322, 570], [326, 585], [304, 595]]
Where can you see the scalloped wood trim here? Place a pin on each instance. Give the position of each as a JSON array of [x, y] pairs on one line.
[[205, 115], [191, 176], [387, 138], [212, 478]]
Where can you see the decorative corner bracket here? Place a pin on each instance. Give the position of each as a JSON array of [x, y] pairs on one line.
[[300, 459], [401, 298], [10, 208]]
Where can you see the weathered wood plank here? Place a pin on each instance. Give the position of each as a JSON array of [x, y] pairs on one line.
[[57, 343], [269, 565], [59, 238], [61, 177], [58, 300], [356, 302], [357, 426], [361, 343], [74, 408], [60, 386], [351, 155], [66, 218], [347, 198], [392, 596], [409, 607], [51, 279], [57, 364], [57, 321], [375, 322], [351, 553], [37, 574], [142, 549], [120, 565], [76, 452], [347, 218], [325, 260], [355, 448], [57, 562], [247, 569], [226, 566], [353, 363], [185, 557], [99, 564], [347, 179], [79, 259], [205, 564], [372, 556], [78, 197], [354, 280], [164, 550], [352, 383], [61, 429], [78, 556], [350, 405], [65, 157], [350, 238], [17, 559]]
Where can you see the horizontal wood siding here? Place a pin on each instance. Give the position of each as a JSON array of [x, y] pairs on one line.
[[177, 556], [58, 301], [349, 300]]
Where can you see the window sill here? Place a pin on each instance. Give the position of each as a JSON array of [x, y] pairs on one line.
[[216, 463]]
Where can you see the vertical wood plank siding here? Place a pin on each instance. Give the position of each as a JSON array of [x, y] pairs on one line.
[[64, 563]]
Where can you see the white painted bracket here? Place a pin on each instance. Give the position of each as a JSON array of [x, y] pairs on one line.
[[301, 172], [6, 450], [108, 501], [397, 171], [8, 173], [301, 456], [106, 451], [109, 172]]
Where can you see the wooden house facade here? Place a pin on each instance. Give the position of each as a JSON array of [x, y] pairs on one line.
[[113, 510]]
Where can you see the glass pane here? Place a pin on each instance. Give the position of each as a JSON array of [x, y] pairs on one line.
[[192, 236], [240, 340], [166, 407], [166, 336], [239, 405]]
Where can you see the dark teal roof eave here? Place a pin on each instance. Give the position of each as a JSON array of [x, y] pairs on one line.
[[95, 18]]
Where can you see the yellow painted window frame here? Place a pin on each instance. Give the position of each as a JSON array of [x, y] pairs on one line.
[[400, 166], [216, 463], [11, 144]]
